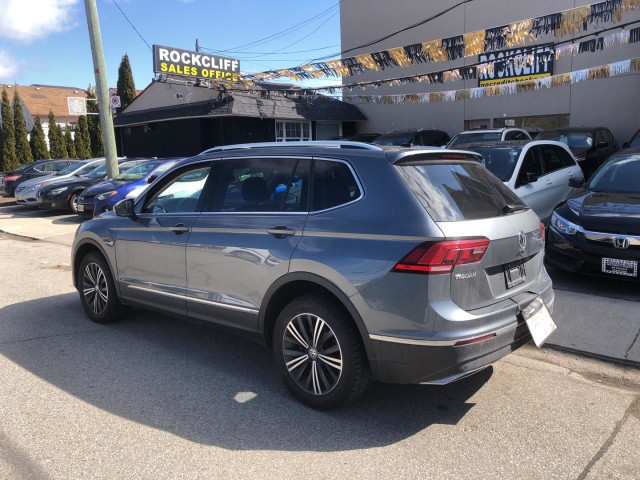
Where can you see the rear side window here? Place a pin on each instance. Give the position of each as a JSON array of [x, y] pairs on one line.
[[455, 192], [333, 185]]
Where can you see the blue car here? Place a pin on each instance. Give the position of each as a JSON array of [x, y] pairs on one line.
[[128, 184]]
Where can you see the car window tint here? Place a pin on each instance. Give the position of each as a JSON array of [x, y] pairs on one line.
[[333, 185], [511, 136], [532, 163], [565, 157], [635, 141], [552, 158], [454, 192], [619, 174], [500, 160], [262, 185], [599, 137], [434, 139], [179, 194]]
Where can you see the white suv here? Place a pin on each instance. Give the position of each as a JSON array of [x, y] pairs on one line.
[[489, 135]]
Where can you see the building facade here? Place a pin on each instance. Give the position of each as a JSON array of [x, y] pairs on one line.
[[177, 119], [611, 102]]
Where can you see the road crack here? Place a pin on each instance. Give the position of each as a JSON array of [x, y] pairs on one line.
[[605, 446], [48, 336], [626, 354]]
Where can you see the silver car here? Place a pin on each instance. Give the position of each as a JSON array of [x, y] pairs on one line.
[[351, 262], [26, 191]]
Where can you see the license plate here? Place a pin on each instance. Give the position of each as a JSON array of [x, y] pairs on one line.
[[514, 276], [626, 268], [80, 208], [539, 321]]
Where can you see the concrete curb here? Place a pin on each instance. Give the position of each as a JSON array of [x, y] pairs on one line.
[[605, 358]]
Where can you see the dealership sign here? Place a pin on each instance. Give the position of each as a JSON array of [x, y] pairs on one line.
[[176, 61], [516, 65]]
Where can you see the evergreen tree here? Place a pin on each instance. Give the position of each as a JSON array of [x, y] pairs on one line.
[[37, 142], [68, 142], [126, 87], [57, 147], [23, 151], [82, 142], [8, 160], [94, 126]]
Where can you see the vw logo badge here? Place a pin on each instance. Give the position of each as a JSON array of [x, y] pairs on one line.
[[621, 242], [522, 239]]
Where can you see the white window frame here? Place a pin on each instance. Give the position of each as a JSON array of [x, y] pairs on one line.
[[284, 138]]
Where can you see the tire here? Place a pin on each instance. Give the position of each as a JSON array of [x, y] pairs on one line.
[[105, 306], [341, 367], [73, 206]]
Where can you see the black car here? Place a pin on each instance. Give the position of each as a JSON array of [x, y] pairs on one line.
[[597, 230], [420, 137], [634, 142], [63, 195], [10, 180], [591, 146]]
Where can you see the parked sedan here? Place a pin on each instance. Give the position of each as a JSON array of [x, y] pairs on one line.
[[130, 183], [26, 191], [537, 171], [591, 146], [63, 195], [597, 230], [41, 168], [488, 135]]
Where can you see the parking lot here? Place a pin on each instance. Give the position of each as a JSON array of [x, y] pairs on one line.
[[157, 397]]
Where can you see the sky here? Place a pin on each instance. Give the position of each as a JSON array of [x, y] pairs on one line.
[[47, 41]]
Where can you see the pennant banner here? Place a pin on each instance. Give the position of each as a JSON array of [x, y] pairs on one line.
[[560, 24], [594, 73]]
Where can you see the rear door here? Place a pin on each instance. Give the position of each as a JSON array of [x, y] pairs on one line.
[[244, 240], [559, 166]]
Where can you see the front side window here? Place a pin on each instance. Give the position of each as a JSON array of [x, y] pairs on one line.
[[137, 172], [532, 163], [179, 194], [553, 158], [293, 131], [262, 185], [333, 185]]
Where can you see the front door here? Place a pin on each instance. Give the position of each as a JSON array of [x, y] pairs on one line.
[[531, 190], [245, 238], [150, 248]]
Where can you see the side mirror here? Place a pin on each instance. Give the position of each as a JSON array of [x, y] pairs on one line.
[[532, 177], [602, 145], [124, 208], [576, 182], [152, 178]]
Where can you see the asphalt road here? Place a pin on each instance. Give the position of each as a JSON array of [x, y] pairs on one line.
[[155, 397]]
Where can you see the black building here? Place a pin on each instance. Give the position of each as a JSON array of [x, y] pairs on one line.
[[169, 119]]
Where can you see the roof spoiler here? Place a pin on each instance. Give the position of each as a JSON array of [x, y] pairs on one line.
[[437, 156]]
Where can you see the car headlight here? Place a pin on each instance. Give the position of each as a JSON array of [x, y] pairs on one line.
[[105, 195], [33, 187], [58, 191], [562, 225]]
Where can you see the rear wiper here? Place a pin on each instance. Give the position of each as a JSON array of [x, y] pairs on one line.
[[514, 208]]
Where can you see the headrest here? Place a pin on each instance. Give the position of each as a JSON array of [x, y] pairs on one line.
[[254, 189]]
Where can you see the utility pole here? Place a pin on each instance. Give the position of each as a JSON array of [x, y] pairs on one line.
[[197, 45], [102, 89]]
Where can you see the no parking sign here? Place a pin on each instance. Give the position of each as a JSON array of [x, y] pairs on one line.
[[115, 101]]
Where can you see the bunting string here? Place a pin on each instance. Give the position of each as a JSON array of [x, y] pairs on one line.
[[595, 73], [559, 24]]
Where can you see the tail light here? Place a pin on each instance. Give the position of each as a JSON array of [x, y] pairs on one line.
[[474, 340], [11, 178], [542, 232], [581, 159], [442, 257]]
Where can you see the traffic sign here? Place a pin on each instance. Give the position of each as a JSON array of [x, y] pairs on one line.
[[115, 101]]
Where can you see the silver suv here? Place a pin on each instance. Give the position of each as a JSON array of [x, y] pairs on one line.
[[351, 262]]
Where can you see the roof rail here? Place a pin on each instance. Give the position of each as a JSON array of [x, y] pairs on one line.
[[315, 143]]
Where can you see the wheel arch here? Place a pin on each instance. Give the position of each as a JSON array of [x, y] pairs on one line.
[[83, 248], [293, 285]]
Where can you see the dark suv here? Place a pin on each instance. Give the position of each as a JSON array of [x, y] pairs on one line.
[[351, 262], [422, 137]]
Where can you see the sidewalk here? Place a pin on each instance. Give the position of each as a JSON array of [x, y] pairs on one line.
[[36, 224]]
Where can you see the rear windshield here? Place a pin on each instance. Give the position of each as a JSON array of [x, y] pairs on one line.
[[467, 138], [395, 139], [454, 192]]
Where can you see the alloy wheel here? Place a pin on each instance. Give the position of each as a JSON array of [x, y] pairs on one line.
[[95, 288], [312, 354]]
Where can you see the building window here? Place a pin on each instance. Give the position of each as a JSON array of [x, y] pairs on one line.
[[328, 131], [293, 131]]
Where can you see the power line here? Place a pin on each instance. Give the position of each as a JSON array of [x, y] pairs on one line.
[[309, 34], [132, 25], [279, 34], [284, 53]]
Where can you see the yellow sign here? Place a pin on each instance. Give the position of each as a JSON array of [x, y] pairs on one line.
[[194, 64], [502, 81]]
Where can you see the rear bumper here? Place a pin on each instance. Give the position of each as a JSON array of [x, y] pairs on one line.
[[428, 363]]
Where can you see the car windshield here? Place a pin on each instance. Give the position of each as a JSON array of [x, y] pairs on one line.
[[620, 174], [570, 139], [395, 139], [88, 168], [65, 171], [501, 161], [467, 138], [635, 141], [101, 171], [137, 172]]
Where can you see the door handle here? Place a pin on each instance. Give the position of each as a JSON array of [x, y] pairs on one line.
[[179, 228], [549, 182], [281, 232]]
